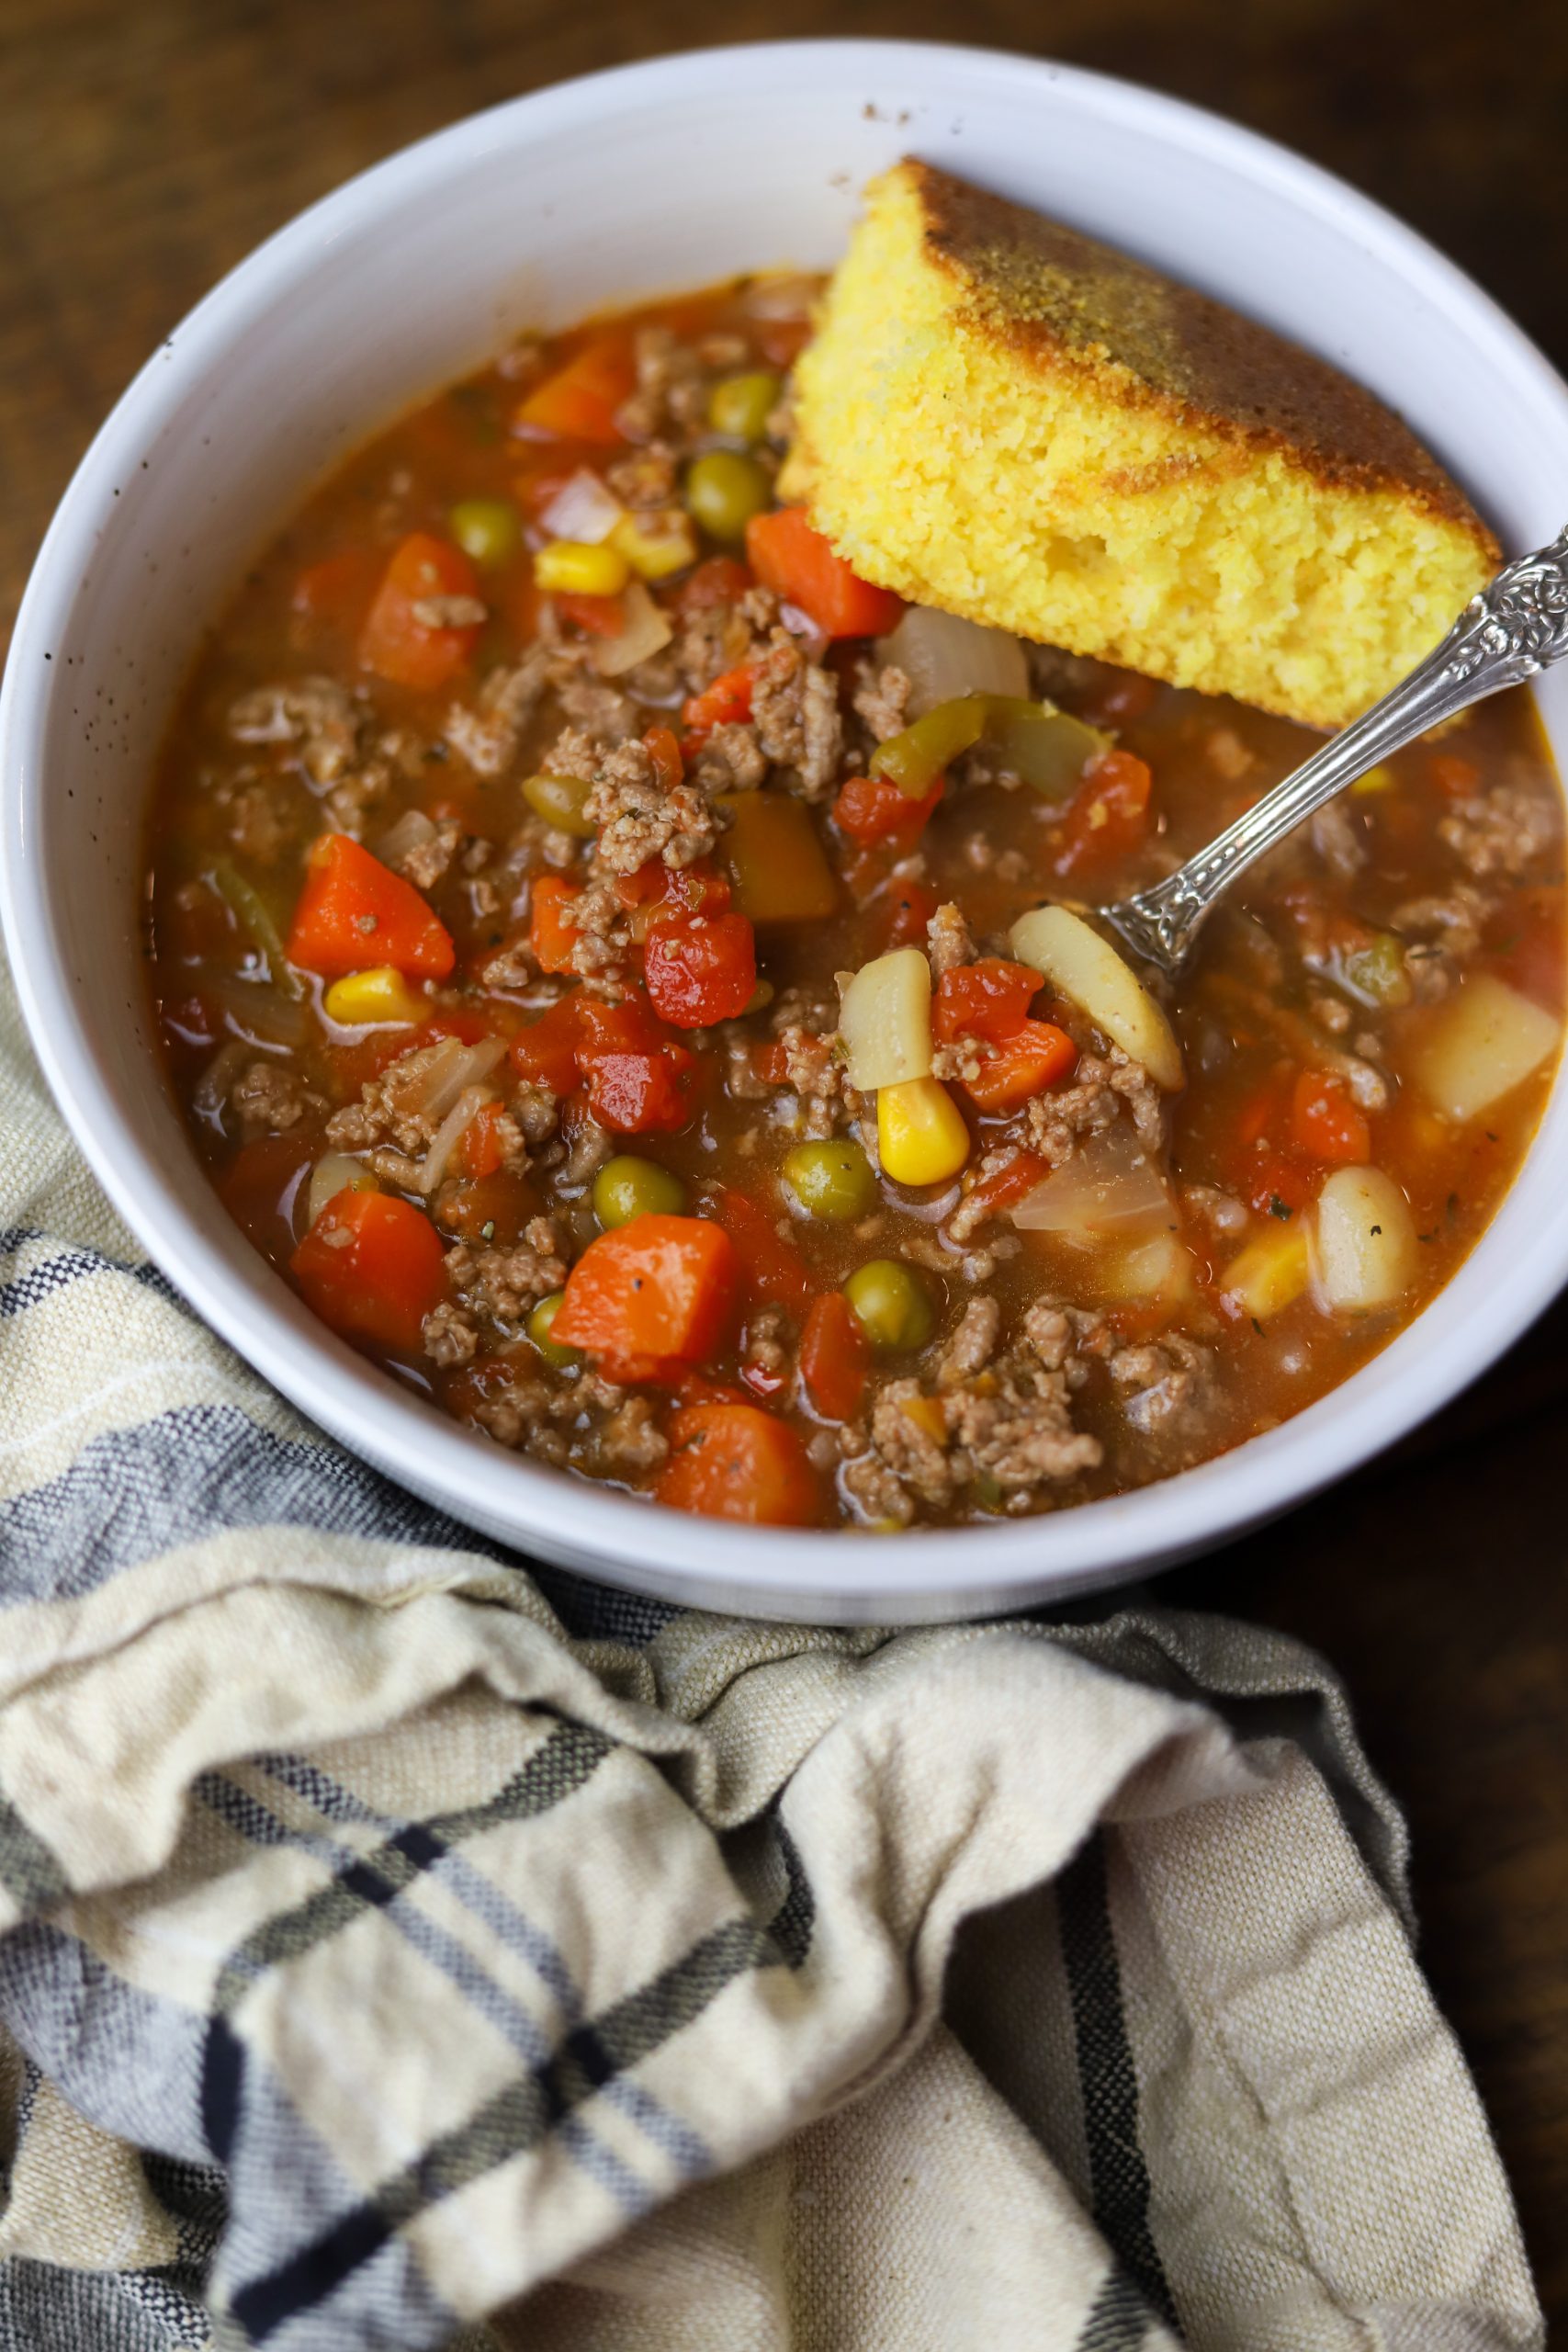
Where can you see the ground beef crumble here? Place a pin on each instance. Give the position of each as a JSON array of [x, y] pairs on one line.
[[795, 708], [266, 1099], [1502, 831], [639, 817], [1056, 1121]]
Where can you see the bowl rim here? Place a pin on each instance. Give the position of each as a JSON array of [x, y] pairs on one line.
[[839, 1576]]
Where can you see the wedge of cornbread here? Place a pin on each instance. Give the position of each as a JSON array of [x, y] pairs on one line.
[[1002, 417]]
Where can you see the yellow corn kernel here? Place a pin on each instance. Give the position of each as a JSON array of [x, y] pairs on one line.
[[571, 567], [381, 994], [920, 1132], [1378, 779], [1270, 1273], [656, 545]]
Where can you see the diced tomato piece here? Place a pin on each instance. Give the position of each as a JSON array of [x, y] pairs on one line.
[[545, 1053], [371, 1267], [552, 934], [774, 1269], [988, 999], [718, 580], [480, 1152], [727, 701], [659, 1292], [394, 642], [637, 1076], [700, 968], [598, 615], [333, 591], [696, 889], [354, 912], [580, 400], [665, 752], [1325, 1125], [872, 810], [1274, 1184], [738, 1462], [1011, 1183], [835, 1357], [912, 905], [762, 1379], [1036, 1056], [771, 1064], [263, 1191], [800, 565], [1107, 816]]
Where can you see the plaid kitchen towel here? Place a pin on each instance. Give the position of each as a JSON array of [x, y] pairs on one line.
[[399, 1949]]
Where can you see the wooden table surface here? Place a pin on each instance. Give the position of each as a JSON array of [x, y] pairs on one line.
[[146, 148]]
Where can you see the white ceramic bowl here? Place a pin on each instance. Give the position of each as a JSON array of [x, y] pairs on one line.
[[652, 179]]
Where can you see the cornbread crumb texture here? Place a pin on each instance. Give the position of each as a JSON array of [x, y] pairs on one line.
[[1005, 418]]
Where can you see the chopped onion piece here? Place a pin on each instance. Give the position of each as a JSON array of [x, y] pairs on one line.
[[412, 829], [645, 631], [450, 1134], [584, 510], [1111, 1189], [211, 1089], [943, 657], [452, 1067]]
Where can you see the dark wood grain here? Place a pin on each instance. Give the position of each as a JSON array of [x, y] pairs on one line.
[[144, 149]]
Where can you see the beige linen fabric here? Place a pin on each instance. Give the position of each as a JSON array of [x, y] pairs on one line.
[[398, 1949]]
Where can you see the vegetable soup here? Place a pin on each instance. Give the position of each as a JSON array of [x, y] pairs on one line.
[[621, 968]]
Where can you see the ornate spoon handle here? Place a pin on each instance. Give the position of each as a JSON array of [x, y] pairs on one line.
[[1515, 627]]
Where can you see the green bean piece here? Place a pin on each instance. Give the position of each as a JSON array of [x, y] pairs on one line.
[[253, 916], [539, 1330], [741, 406], [626, 1187], [488, 529], [561, 801], [893, 1303], [831, 1179], [724, 491]]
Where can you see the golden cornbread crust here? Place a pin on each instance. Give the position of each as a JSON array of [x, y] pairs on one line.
[[1004, 417]]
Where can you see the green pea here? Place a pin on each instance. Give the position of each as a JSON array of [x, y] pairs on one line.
[[741, 405], [488, 529], [561, 801], [893, 1303], [627, 1187], [725, 490], [831, 1179], [539, 1330]]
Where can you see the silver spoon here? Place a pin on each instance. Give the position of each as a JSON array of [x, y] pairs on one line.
[[1515, 627]]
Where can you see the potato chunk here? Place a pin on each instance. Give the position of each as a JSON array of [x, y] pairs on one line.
[[1082, 966], [1365, 1254], [886, 1021], [1484, 1041]]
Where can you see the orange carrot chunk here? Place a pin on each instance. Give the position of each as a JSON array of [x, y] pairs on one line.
[[578, 402], [403, 639], [798, 564], [371, 1268], [655, 1294], [738, 1462], [354, 912]]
